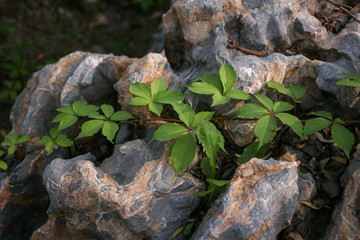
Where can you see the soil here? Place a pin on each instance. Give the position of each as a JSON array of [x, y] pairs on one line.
[[39, 32]]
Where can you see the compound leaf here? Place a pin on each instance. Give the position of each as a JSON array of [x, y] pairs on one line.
[[168, 131], [156, 108], [141, 90], [265, 129], [238, 94], [266, 101], [202, 88], [108, 110], [86, 110], [253, 150], [2, 152], [183, 152], [139, 101], [281, 106], [213, 79], [292, 122], [79, 104], [251, 111], [54, 132], [12, 149], [109, 130], [227, 76], [185, 112], [96, 115], [13, 137], [62, 140], [91, 127], [338, 120], [315, 124], [158, 86], [121, 115], [206, 167], [297, 91], [343, 138], [169, 97], [323, 114]]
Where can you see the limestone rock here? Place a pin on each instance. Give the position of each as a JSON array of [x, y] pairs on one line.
[[258, 204], [345, 219], [119, 200]]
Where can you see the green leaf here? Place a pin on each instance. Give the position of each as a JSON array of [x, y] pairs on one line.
[[96, 115], [185, 112], [60, 116], [141, 90], [66, 109], [265, 129], [188, 228], [43, 140], [85, 110], [168, 131], [219, 99], [91, 127], [355, 76], [206, 167], [213, 79], [12, 149], [343, 138], [238, 94], [315, 124], [292, 122], [267, 102], [202, 194], [183, 152], [13, 137], [251, 111], [54, 132], [280, 88], [139, 101], [109, 130], [3, 165], [62, 140], [2, 152], [67, 121], [227, 76], [49, 147], [121, 116], [297, 91], [108, 110], [338, 120], [156, 108], [348, 82], [203, 88], [218, 183], [23, 139], [79, 104], [158, 86], [323, 114], [170, 97], [177, 232], [211, 140], [206, 116], [281, 106], [249, 152]]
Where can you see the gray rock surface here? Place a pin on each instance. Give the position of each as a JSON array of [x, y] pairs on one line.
[[141, 199], [258, 204]]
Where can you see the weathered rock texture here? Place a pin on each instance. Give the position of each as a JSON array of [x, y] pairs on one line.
[[130, 196], [258, 203]]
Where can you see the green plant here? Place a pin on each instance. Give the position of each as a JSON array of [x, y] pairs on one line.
[[192, 131], [352, 80]]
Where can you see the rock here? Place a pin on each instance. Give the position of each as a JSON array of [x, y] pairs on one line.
[[120, 199], [241, 132], [345, 222], [258, 204]]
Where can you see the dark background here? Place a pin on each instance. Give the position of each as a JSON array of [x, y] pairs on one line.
[[34, 33]]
